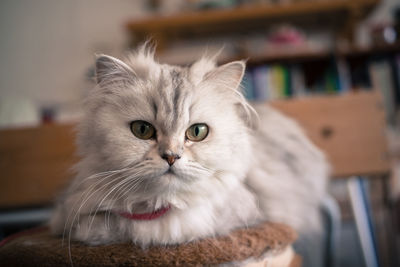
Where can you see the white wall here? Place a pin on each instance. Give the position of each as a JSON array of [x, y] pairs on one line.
[[46, 46]]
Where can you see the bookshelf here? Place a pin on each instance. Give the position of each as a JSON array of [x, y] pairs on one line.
[[328, 69], [342, 14], [352, 61], [312, 55]]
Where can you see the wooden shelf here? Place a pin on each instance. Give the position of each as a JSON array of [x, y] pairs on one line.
[[312, 55], [307, 55], [166, 28], [299, 56], [375, 50]]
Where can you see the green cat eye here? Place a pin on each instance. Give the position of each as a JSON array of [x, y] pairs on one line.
[[142, 129], [197, 132]]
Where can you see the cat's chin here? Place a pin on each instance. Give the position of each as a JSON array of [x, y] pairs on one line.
[[169, 175]]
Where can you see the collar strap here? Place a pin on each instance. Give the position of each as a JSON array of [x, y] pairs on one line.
[[146, 216]]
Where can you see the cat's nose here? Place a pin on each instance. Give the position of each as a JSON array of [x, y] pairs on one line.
[[170, 158]]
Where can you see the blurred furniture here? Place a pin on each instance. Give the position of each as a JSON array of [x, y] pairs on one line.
[[341, 16], [35, 164], [351, 131], [349, 128]]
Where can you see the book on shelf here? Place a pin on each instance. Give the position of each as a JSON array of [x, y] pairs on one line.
[[271, 82], [381, 79], [395, 62], [248, 86], [261, 83], [339, 75], [278, 81], [298, 86]]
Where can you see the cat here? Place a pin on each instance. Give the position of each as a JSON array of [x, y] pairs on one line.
[[171, 154]]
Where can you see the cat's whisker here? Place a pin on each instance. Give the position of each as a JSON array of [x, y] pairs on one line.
[[198, 166], [84, 198], [102, 180], [96, 175], [85, 192], [132, 179], [83, 201], [131, 188], [119, 193], [109, 208], [122, 177], [119, 185], [77, 213], [135, 185], [105, 197]]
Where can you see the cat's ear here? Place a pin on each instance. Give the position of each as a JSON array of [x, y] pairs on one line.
[[110, 69], [229, 75]]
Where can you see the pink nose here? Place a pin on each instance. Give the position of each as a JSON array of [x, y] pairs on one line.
[[170, 158]]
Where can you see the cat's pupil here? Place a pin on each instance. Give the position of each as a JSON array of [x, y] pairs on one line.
[[142, 128], [196, 131]]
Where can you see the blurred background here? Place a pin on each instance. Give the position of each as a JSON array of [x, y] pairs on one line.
[[331, 64]]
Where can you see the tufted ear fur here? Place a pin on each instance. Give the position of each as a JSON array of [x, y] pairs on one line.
[[110, 70], [229, 75]]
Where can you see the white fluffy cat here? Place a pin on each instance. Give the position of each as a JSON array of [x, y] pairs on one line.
[[171, 154]]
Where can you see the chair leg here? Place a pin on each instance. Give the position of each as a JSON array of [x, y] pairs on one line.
[[361, 210], [332, 216]]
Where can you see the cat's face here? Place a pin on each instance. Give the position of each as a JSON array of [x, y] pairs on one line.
[[175, 132]]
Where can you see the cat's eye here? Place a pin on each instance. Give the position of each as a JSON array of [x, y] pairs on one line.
[[197, 132], [142, 129]]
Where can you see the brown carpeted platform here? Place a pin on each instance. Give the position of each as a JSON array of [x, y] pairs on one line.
[[39, 248]]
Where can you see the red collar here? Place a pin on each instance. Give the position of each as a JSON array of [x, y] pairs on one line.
[[146, 216]]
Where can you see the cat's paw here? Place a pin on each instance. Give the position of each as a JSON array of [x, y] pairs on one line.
[[94, 232]]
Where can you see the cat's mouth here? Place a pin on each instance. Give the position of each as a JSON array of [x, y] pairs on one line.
[[146, 216], [169, 171]]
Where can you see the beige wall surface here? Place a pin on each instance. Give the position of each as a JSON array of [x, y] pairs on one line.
[[47, 47]]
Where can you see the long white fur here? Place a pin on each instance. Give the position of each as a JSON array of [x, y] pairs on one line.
[[238, 176]]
